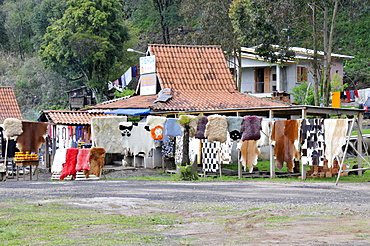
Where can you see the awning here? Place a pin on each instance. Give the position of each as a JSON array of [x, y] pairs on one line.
[[129, 111]]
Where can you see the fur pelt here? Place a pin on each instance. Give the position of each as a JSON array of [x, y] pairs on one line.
[[201, 128], [251, 128], [101, 127], [69, 168], [285, 134], [249, 154], [83, 160], [153, 121], [33, 136], [234, 124], [335, 137], [13, 127], [216, 128], [193, 124], [97, 156]]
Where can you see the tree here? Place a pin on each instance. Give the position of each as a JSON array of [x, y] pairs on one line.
[[168, 14], [45, 14], [86, 42], [16, 22], [265, 22]]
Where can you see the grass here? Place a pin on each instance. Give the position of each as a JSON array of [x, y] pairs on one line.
[[62, 224], [364, 131]]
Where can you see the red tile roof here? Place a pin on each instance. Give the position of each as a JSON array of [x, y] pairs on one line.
[[59, 117], [9, 107], [185, 67], [131, 102], [213, 100], [199, 79]]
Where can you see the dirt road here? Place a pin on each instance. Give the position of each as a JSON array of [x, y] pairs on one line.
[[223, 213]]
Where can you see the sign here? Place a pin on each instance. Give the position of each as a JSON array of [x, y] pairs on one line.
[[148, 84], [147, 64]]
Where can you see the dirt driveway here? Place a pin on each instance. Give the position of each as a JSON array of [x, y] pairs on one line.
[[222, 213]]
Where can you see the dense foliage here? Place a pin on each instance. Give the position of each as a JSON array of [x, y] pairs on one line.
[[48, 47]]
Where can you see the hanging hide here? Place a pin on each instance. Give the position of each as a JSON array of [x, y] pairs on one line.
[[234, 124], [265, 134], [140, 140], [313, 132], [69, 168], [83, 160], [101, 127], [216, 128], [97, 156], [33, 136], [335, 136], [201, 128], [249, 154], [285, 136], [13, 127], [251, 128]]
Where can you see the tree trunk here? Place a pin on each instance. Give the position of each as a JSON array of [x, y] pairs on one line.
[[185, 146], [330, 48], [315, 58]]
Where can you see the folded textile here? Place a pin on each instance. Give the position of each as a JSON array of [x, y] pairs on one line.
[[69, 168], [58, 160], [83, 160]]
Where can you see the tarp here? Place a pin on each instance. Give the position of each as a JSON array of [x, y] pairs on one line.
[[129, 111]]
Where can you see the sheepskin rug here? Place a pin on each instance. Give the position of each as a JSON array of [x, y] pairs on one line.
[[107, 134], [13, 127], [216, 128]]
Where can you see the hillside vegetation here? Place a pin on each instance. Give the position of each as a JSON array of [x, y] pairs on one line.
[[48, 47]]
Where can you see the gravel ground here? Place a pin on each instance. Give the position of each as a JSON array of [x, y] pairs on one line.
[[242, 212]]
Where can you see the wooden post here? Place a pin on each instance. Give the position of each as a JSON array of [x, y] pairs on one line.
[[304, 168], [239, 166], [272, 161], [359, 142]]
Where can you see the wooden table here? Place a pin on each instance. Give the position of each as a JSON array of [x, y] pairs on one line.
[[30, 164]]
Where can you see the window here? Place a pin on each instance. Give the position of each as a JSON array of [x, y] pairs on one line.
[[302, 74]]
